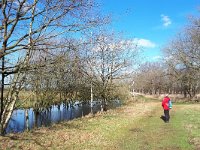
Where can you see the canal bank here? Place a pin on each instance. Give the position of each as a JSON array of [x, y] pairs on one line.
[[132, 126]]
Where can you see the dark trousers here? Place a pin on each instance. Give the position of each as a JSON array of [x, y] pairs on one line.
[[166, 112]]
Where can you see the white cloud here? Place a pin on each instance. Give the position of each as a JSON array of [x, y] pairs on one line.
[[144, 43], [166, 20]]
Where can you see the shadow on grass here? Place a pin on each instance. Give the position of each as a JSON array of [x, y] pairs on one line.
[[19, 141], [163, 118]]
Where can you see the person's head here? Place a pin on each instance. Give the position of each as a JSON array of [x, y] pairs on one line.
[[167, 95]]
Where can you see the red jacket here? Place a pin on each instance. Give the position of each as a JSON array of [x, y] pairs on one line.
[[165, 103]]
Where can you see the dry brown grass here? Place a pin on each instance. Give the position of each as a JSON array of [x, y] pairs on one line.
[[85, 133], [134, 125]]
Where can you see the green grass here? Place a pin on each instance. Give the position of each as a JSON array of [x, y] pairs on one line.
[[132, 127], [191, 122], [151, 132]]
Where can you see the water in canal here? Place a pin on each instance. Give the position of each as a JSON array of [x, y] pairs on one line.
[[22, 119]]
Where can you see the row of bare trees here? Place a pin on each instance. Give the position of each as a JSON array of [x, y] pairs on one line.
[[179, 70], [68, 74], [29, 26], [53, 50]]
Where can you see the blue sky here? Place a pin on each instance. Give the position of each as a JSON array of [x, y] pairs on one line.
[[152, 22]]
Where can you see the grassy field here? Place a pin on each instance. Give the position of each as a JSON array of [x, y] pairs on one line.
[[136, 126]]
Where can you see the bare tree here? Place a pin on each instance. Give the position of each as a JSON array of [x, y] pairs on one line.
[[27, 26], [150, 78], [107, 61], [183, 55]]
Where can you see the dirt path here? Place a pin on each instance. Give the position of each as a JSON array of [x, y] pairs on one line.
[[150, 132]]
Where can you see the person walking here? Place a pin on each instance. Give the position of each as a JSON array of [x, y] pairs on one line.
[[167, 105]]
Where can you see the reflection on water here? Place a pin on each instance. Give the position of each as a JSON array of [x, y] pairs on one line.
[[21, 119]]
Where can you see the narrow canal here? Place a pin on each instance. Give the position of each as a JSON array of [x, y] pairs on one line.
[[23, 119]]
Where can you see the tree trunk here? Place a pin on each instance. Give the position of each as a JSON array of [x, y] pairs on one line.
[[7, 113], [104, 105], [27, 119]]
